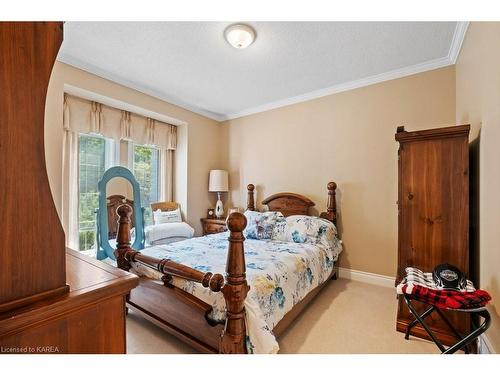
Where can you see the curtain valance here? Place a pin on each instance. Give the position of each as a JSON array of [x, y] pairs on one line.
[[84, 116]]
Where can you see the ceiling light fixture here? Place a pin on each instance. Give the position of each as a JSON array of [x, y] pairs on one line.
[[239, 35]]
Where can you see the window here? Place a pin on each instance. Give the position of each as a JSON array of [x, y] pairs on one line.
[[146, 170], [95, 156]]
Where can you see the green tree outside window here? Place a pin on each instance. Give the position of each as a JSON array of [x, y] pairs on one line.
[[146, 171]]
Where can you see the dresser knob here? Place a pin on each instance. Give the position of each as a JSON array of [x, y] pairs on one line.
[[410, 196]]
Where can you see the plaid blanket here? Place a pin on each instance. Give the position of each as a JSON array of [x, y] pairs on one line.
[[421, 287], [446, 299]]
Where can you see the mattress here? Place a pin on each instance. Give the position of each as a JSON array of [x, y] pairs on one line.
[[280, 275]]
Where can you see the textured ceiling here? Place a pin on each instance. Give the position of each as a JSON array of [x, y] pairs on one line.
[[191, 65]]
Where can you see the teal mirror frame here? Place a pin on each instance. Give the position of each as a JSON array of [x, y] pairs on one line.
[[104, 249]]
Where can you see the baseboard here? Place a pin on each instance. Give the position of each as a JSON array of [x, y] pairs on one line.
[[484, 346], [367, 277]]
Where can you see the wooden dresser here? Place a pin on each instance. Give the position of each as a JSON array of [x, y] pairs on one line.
[[433, 206], [88, 319], [52, 300]]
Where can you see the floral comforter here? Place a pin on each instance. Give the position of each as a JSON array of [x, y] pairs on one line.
[[280, 275]]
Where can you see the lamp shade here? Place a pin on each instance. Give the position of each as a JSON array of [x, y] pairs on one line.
[[218, 181]]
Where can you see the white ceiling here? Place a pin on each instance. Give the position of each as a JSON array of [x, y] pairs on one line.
[[191, 65]]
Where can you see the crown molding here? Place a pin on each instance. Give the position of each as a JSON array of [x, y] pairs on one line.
[[76, 63], [335, 89], [450, 59], [457, 41]]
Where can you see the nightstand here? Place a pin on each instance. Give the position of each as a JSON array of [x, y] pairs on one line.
[[211, 226]]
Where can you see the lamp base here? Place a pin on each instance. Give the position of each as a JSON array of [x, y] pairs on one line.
[[219, 208]]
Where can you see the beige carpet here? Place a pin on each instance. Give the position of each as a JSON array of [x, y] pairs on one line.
[[346, 317]]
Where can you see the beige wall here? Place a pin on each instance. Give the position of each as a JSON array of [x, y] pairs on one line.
[[199, 148], [348, 138], [478, 103]]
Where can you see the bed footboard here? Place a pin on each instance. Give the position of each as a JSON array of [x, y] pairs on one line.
[[235, 289], [233, 286]]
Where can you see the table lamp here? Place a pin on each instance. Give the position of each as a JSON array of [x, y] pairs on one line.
[[218, 183]]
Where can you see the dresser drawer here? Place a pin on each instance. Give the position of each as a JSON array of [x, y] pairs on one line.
[[215, 228], [211, 226]]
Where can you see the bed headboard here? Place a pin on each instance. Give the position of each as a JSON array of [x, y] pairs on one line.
[[289, 204], [295, 204]]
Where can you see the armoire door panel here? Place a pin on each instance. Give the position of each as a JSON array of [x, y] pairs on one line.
[[434, 213]]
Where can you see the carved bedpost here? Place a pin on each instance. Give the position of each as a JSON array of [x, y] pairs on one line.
[[236, 288], [123, 237], [331, 206], [250, 198]]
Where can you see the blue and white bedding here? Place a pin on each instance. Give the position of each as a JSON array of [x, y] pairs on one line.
[[280, 275]]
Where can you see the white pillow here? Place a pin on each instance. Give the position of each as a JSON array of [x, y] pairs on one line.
[[163, 217], [168, 230]]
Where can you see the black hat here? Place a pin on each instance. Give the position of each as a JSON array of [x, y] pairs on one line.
[[450, 277]]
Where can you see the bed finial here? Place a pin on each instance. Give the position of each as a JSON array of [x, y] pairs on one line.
[[124, 212], [250, 198], [123, 236], [235, 289], [236, 222], [331, 205]]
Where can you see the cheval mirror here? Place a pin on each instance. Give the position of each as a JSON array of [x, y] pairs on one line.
[[116, 187]]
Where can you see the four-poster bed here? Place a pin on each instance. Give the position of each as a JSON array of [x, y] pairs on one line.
[[190, 318]]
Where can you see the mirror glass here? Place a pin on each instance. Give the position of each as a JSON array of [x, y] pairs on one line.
[[118, 191]]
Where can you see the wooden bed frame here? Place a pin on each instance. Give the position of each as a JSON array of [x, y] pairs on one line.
[[112, 204], [186, 316]]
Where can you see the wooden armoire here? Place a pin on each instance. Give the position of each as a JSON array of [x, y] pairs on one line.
[[433, 210]]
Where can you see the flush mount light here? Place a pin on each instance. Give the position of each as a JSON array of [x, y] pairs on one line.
[[239, 36]]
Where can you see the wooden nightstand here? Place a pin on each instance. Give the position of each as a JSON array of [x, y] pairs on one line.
[[211, 226]]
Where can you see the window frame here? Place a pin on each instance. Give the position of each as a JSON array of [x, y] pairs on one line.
[[111, 158], [131, 163]]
